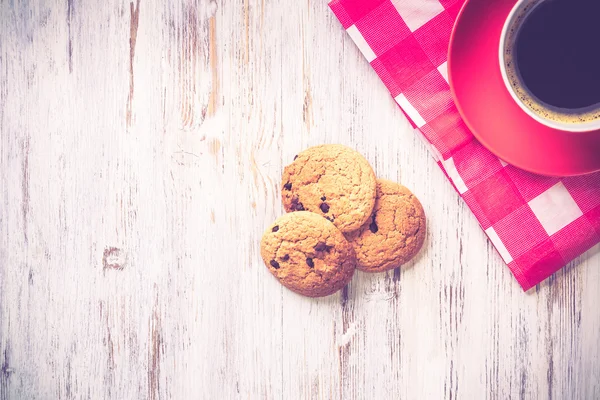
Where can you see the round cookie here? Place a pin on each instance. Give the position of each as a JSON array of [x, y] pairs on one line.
[[308, 254], [393, 234], [333, 181]]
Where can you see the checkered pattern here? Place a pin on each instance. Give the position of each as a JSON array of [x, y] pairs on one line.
[[537, 224]]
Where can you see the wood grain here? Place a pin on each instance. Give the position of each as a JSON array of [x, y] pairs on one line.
[[141, 149]]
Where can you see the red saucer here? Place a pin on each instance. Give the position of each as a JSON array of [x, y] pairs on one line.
[[490, 112]]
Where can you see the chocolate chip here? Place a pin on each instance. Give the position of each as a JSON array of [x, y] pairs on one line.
[[286, 257], [274, 264], [288, 186], [296, 156], [373, 227], [324, 207], [275, 228], [296, 205], [310, 262], [321, 246], [323, 198]]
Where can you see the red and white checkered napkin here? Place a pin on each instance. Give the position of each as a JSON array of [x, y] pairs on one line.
[[537, 224]]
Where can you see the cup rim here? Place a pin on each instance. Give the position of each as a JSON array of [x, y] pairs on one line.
[[564, 126]]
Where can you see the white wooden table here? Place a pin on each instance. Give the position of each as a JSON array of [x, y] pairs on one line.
[[141, 150]]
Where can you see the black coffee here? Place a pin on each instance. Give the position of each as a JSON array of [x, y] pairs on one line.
[[558, 53]]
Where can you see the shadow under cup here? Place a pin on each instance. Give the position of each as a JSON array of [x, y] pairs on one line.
[[550, 61]]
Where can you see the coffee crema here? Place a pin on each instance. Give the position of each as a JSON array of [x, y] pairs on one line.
[[552, 59]]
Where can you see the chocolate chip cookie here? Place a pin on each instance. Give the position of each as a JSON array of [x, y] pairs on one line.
[[333, 181], [394, 232], [308, 254]]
